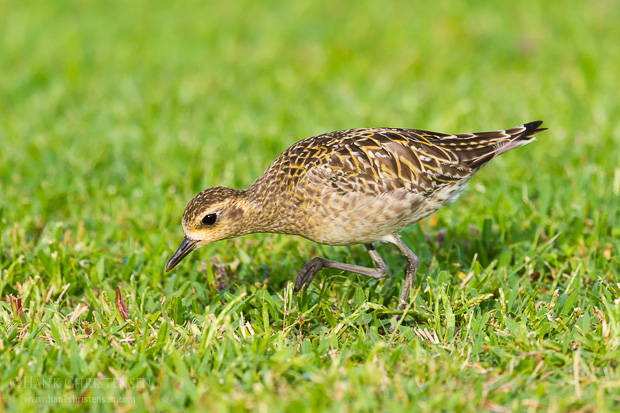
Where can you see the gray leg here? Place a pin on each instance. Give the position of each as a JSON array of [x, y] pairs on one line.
[[309, 270], [412, 268]]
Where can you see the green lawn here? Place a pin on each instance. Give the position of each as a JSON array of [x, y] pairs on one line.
[[114, 114]]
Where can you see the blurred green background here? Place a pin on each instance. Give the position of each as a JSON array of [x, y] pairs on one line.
[[150, 102], [114, 114]]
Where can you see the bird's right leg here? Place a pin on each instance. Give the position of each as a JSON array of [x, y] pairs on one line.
[[309, 270], [412, 268]]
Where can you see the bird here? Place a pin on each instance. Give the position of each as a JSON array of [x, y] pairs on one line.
[[356, 186]]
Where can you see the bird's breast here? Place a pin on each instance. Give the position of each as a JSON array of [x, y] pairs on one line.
[[357, 218]]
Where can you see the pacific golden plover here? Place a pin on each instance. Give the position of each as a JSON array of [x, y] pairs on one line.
[[358, 186]]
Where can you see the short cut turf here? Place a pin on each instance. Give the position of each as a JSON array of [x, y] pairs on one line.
[[114, 114]]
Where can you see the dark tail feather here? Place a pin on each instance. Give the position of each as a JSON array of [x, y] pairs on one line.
[[492, 144]]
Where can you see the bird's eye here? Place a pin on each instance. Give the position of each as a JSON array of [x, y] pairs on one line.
[[209, 219]]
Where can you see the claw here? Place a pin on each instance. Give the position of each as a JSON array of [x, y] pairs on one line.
[[307, 273]]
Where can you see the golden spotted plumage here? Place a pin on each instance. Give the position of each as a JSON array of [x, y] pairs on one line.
[[355, 186]]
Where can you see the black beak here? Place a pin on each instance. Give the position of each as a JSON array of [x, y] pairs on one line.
[[187, 246]]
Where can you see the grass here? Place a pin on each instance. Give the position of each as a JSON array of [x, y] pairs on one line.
[[114, 114]]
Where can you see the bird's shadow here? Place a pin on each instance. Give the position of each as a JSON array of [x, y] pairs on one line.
[[271, 262]]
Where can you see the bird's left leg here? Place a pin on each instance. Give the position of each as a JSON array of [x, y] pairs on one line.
[[308, 271]]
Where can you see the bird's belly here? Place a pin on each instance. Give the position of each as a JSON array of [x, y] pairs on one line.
[[357, 218]]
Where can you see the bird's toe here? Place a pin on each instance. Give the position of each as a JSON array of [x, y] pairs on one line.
[[307, 273]]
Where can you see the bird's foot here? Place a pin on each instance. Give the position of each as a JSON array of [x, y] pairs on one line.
[[307, 273]]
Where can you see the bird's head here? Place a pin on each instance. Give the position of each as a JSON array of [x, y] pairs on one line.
[[213, 215]]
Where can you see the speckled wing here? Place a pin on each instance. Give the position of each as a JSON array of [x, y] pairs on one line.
[[296, 162], [381, 160]]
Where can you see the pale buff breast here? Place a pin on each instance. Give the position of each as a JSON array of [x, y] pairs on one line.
[[357, 218]]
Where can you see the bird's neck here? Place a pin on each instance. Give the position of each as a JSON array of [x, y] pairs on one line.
[[263, 211]]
